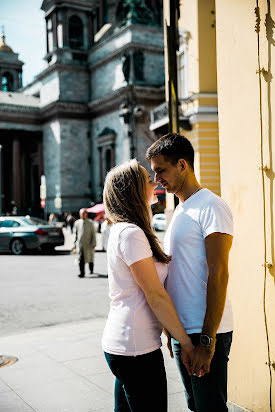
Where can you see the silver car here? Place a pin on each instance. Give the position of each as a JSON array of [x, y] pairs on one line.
[[159, 222], [19, 233]]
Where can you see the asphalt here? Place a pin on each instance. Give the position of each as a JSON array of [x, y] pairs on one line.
[[62, 368]]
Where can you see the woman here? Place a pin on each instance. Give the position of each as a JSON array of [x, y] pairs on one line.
[[137, 268]]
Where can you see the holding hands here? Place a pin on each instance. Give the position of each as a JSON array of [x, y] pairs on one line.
[[196, 359]]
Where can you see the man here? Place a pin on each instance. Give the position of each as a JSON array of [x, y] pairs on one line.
[[199, 239], [84, 241]]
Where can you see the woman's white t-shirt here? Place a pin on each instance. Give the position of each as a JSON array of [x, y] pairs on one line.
[[132, 328]]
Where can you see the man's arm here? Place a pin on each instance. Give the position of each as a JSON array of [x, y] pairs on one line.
[[217, 246]]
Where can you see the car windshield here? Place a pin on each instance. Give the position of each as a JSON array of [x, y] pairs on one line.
[[33, 221]]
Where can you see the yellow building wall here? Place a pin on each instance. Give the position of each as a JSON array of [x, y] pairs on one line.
[[198, 18], [252, 286], [205, 140]]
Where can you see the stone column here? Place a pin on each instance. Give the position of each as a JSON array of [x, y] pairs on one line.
[[40, 158], [16, 172]]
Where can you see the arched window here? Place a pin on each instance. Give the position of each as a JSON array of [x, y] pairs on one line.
[[7, 82], [75, 32]]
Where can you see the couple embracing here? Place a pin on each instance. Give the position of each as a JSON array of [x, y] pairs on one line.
[[181, 291]]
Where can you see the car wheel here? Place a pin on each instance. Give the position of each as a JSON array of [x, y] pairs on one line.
[[17, 247]]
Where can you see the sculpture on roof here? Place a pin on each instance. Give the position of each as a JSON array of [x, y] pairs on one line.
[[134, 12]]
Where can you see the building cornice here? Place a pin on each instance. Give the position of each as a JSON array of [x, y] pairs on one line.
[[119, 52], [77, 4], [118, 32], [19, 116], [61, 67], [112, 101], [60, 109]]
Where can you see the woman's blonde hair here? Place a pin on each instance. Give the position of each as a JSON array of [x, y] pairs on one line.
[[125, 200]]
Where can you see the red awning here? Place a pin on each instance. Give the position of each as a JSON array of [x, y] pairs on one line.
[[99, 208]]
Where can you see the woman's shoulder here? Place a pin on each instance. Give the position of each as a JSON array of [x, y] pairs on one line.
[[126, 229]]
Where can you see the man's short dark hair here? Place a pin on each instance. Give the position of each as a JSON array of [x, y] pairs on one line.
[[174, 147]]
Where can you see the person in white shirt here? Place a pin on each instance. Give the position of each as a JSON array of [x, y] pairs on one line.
[[199, 239], [137, 269]]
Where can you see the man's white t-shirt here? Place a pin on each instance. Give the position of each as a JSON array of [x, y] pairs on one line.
[[132, 328], [200, 215]]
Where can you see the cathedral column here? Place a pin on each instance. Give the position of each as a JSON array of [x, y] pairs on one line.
[[16, 172], [40, 159]]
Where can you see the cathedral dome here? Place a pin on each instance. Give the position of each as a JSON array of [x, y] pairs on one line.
[[4, 46]]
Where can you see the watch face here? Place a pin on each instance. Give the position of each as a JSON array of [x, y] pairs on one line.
[[205, 340]]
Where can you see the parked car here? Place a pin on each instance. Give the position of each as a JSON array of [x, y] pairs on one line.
[[19, 233], [159, 222]]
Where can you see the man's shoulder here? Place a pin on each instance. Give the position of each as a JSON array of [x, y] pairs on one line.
[[210, 198]]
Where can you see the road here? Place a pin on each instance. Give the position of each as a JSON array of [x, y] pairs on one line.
[[43, 290]]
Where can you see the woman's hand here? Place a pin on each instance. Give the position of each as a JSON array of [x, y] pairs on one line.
[[169, 342], [187, 354], [189, 357]]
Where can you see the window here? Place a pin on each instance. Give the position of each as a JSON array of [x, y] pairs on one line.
[[108, 160], [9, 223], [75, 32], [182, 75], [7, 82], [50, 35]]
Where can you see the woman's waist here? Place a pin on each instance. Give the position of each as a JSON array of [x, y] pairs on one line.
[[139, 318]]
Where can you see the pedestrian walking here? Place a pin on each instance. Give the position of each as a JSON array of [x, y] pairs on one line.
[[105, 232], [199, 239], [137, 269], [84, 242], [70, 220]]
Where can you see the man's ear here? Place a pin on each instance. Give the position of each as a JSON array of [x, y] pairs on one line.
[[182, 164]]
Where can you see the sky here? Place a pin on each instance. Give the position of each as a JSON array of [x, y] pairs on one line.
[[25, 32]]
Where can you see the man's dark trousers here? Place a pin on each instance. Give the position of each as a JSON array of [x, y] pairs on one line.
[[208, 393], [82, 265]]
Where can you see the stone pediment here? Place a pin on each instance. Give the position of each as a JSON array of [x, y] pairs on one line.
[[106, 137]]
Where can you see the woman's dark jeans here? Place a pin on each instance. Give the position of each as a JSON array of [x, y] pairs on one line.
[[208, 393], [140, 384]]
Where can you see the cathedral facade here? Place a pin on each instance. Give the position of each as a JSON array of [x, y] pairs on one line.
[[88, 110]]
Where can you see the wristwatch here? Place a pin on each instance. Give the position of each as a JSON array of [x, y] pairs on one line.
[[206, 341]]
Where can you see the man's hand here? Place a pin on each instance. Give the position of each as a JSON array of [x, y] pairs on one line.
[[201, 359]]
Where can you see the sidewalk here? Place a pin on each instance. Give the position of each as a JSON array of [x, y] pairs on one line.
[[62, 369]]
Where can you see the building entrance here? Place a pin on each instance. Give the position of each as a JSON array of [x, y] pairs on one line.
[[21, 169]]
